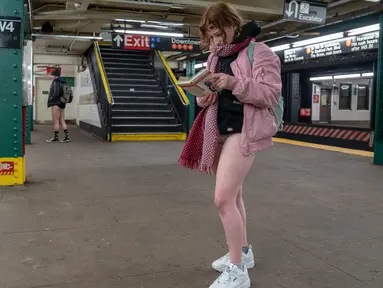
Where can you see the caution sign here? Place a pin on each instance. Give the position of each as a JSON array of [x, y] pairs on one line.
[[144, 42], [7, 168], [305, 112], [10, 36]]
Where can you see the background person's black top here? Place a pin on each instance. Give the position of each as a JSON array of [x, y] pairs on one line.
[[55, 92]]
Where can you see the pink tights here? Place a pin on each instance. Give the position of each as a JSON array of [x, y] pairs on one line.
[[231, 168]]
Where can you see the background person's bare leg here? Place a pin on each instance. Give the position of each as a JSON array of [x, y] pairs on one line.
[[56, 124], [64, 125]]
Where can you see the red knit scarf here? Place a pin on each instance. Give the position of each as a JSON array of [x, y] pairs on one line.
[[201, 146]]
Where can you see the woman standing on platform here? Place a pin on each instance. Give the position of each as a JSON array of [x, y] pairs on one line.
[[236, 123]]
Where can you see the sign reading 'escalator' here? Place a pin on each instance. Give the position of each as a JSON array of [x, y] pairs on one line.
[[143, 42]]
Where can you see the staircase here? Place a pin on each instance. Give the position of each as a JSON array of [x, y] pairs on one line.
[[141, 108]]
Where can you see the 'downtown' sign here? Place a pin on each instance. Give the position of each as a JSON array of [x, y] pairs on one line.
[[358, 43], [143, 42]]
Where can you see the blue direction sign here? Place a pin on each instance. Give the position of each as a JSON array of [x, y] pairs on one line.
[[304, 11]]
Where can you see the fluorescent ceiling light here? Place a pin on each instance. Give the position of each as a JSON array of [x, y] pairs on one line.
[[200, 65], [347, 76], [375, 1], [321, 78], [369, 74], [280, 47], [365, 29], [318, 39], [130, 20], [166, 23], [154, 26], [151, 33]]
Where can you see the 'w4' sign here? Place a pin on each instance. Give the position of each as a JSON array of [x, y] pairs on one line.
[[10, 32], [6, 26]]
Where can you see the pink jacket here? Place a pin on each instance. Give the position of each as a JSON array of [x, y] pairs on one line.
[[259, 90]]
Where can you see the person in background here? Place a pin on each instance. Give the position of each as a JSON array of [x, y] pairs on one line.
[[58, 108], [235, 124]]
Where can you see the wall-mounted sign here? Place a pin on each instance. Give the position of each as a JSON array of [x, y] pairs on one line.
[[316, 98], [303, 11], [143, 42], [305, 112], [7, 168], [10, 28], [357, 43]]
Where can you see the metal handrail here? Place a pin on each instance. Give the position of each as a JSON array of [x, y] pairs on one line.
[[103, 74], [173, 80]]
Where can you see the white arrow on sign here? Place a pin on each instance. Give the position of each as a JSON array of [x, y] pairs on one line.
[[118, 39], [290, 11]]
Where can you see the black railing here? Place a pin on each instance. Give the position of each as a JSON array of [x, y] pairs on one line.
[[104, 102], [181, 105]]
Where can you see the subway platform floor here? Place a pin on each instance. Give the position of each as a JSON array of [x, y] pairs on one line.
[[97, 215]]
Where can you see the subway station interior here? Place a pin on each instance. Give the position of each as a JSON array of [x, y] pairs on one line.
[[113, 208]]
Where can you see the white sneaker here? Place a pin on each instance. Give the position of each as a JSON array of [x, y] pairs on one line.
[[232, 277], [221, 263]]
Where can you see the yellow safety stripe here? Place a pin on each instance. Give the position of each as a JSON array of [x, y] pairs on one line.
[[149, 137], [180, 90], [103, 75]]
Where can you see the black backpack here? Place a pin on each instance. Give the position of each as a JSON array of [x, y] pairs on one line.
[[67, 94]]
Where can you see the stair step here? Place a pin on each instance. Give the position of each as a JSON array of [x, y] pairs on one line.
[[118, 51], [127, 69], [148, 128], [143, 113], [131, 64], [141, 118], [127, 81], [138, 76], [144, 121], [141, 99], [124, 58], [138, 93], [135, 87]]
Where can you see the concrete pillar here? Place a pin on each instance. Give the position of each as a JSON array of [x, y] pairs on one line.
[[378, 135], [12, 152]]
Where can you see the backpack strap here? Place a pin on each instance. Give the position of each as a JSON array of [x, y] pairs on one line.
[[250, 53]]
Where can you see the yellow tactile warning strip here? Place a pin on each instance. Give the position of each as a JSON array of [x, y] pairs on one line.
[[325, 147], [149, 137]]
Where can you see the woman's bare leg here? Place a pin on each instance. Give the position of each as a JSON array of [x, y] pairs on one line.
[[242, 211], [231, 172]]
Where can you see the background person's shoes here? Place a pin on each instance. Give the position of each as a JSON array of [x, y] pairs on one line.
[[52, 140]]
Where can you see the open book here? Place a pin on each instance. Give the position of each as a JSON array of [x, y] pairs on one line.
[[196, 85]]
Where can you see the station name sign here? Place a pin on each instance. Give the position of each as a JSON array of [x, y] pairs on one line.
[[144, 42], [10, 28], [351, 44]]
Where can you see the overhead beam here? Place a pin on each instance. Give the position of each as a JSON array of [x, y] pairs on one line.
[[191, 3], [96, 15], [242, 8]]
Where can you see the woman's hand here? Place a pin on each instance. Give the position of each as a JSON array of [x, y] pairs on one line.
[[210, 99], [222, 81]]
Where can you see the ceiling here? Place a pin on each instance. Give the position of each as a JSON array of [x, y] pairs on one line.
[[85, 17]]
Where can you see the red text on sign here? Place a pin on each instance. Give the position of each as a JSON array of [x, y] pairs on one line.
[[137, 42]]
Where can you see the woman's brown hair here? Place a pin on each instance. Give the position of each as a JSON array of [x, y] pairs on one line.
[[219, 15]]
